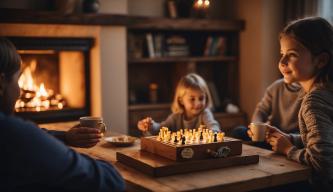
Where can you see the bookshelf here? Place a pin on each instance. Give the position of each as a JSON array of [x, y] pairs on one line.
[[204, 46]]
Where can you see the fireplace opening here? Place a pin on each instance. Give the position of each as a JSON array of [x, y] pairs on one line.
[[55, 79]]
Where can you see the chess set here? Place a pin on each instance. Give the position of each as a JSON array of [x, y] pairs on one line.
[[191, 144], [185, 151]]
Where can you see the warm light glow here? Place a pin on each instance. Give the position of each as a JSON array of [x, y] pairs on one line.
[[36, 51], [42, 91], [201, 4], [206, 4], [26, 81], [36, 97]]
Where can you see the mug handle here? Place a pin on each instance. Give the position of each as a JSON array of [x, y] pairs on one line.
[[102, 127]]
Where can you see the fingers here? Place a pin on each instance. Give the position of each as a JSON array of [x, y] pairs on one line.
[[145, 124], [88, 137], [142, 126], [83, 130], [249, 133]]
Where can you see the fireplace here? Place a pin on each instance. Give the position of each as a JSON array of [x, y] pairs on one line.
[[55, 79]]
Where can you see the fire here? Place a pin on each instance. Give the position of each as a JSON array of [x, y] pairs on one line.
[[34, 97]]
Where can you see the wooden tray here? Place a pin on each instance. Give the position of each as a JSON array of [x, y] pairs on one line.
[[158, 166], [189, 151]]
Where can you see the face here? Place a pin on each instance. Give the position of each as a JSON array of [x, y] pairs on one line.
[[297, 63], [194, 101], [10, 94]]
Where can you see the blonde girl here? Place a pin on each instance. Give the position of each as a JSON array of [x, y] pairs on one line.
[[190, 108], [307, 58]]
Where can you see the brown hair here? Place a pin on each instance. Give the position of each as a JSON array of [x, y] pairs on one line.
[[10, 60], [316, 34], [190, 81]]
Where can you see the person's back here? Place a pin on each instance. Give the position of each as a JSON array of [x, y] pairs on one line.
[[32, 160]]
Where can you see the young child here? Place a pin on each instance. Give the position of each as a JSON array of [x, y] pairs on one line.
[[307, 58], [190, 108]]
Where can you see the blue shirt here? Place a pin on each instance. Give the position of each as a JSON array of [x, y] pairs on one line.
[[33, 160]]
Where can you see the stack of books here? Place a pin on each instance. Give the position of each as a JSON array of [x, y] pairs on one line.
[[215, 46], [177, 46], [171, 46]]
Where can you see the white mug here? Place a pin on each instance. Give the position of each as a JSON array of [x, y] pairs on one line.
[[93, 122], [258, 130]]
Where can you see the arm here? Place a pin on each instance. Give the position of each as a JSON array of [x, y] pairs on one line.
[[170, 122], [264, 107], [318, 151], [77, 136], [209, 121], [42, 160]]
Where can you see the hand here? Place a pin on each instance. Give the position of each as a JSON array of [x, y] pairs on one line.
[[145, 124], [84, 137], [280, 141]]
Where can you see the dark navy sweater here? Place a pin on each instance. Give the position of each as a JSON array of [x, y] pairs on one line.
[[33, 160]]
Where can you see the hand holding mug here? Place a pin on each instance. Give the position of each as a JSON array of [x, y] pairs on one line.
[[84, 137], [280, 141], [86, 134]]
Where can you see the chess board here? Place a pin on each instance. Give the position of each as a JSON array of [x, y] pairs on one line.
[[192, 151], [158, 166]]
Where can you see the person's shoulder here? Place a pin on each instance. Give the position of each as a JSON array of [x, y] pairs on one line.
[[13, 121], [319, 94], [15, 124], [318, 99], [277, 84], [280, 85]]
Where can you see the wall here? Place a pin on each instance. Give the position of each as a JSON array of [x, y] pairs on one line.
[[259, 48], [114, 69]]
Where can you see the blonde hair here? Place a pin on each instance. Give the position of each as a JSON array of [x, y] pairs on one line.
[[190, 81]]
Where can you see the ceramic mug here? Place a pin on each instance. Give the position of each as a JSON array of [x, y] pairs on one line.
[[93, 122], [258, 130]]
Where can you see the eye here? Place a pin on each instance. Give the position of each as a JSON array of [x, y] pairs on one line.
[[292, 55], [201, 98]]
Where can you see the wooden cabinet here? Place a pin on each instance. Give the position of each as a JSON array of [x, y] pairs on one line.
[[161, 51]]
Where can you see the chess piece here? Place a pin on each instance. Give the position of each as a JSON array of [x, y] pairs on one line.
[[183, 140], [175, 141], [215, 137], [201, 136]]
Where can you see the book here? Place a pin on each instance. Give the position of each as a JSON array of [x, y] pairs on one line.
[[150, 45], [158, 45], [208, 46], [172, 9]]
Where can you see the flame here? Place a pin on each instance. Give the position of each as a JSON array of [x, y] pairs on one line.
[[26, 81], [42, 91], [36, 97]]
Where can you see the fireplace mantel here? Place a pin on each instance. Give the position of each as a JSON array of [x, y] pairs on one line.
[[52, 17]]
